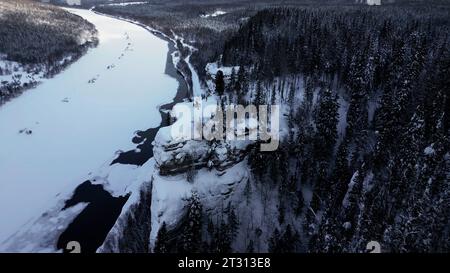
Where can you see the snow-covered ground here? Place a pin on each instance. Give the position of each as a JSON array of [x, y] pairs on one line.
[[68, 129], [214, 14], [124, 4], [73, 2]]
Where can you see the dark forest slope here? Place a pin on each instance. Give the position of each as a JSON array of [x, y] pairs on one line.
[[386, 178]]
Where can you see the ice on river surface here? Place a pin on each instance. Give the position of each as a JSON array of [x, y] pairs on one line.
[[56, 134]]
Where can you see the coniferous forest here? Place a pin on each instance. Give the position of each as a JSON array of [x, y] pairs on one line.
[[386, 174], [370, 137], [363, 155]]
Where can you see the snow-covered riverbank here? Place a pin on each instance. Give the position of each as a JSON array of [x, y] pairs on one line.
[[69, 128]]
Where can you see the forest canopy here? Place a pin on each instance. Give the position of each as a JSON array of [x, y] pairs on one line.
[[38, 40], [31, 32]]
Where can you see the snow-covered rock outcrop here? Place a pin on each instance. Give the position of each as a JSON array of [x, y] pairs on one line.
[[177, 152], [174, 157]]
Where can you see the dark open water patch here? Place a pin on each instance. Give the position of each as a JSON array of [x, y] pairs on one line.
[[145, 152], [93, 224]]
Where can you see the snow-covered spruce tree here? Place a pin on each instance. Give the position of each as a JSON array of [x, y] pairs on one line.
[[221, 238], [241, 85], [136, 230], [351, 203], [250, 247], [328, 237], [284, 243], [259, 98], [258, 163], [191, 237], [324, 142], [233, 221], [231, 86], [340, 176], [326, 125], [274, 241]]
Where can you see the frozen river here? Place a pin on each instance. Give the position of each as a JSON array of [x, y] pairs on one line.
[[79, 119]]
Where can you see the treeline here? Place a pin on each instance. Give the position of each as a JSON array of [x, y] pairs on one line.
[[328, 40], [385, 175], [183, 18]]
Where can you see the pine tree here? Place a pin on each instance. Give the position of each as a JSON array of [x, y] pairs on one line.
[[281, 212], [220, 83], [259, 95], [250, 247], [328, 237], [341, 174], [274, 242], [231, 87], [350, 205], [210, 227], [223, 238], [191, 236], [274, 168], [233, 221], [136, 234], [309, 94], [258, 163], [161, 240], [273, 96], [289, 240], [291, 95], [326, 124], [247, 191], [300, 203], [241, 84]]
